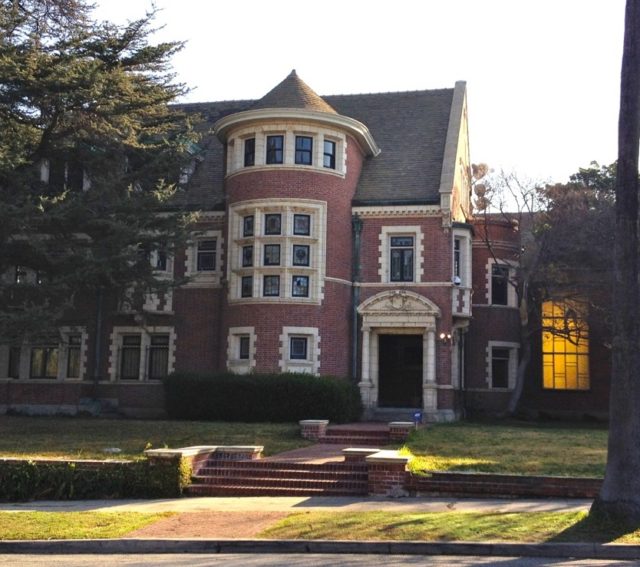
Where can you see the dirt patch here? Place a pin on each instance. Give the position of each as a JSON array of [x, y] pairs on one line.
[[237, 525]]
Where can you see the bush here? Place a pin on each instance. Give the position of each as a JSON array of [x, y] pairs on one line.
[[261, 397], [69, 480]]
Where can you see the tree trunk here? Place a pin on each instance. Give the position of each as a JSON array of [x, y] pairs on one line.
[[620, 493]]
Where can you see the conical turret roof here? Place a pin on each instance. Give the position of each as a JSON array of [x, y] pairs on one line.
[[293, 92]]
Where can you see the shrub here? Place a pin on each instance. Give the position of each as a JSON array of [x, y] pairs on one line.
[[261, 397], [22, 479]]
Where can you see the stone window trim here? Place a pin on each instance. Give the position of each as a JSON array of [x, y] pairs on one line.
[[384, 251], [512, 297], [63, 346], [513, 349], [208, 278], [310, 365], [310, 261], [462, 268], [290, 130], [234, 362], [115, 345]]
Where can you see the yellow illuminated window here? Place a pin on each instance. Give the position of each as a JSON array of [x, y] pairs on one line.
[[565, 347]]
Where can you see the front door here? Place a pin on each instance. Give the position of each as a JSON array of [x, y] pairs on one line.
[[400, 371]]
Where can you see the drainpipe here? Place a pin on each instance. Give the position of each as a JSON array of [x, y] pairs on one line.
[[356, 226]]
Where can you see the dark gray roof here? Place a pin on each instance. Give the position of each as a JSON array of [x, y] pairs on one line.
[[293, 92], [409, 127]]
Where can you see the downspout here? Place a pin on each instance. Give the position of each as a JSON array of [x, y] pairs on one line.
[[356, 226]]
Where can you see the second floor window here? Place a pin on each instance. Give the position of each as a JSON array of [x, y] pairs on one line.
[[401, 250], [304, 150], [275, 149], [499, 284], [206, 261]]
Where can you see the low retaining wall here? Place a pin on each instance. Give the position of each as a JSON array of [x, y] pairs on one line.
[[501, 485]]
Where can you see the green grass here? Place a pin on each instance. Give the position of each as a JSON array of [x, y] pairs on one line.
[[86, 438], [511, 447], [450, 526], [73, 525]]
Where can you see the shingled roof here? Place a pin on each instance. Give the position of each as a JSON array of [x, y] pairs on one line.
[[409, 127], [293, 92]]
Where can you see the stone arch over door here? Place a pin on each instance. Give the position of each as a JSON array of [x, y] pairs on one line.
[[398, 312]]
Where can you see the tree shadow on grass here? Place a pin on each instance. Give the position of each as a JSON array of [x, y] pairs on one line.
[[597, 529]]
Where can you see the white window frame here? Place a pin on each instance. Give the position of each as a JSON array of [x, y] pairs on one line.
[[236, 364], [289, 130], [512, 297], [316, 240], [384, 252], [513, 364], [204, 278], [145, 342], [312, 363], [465, 259]]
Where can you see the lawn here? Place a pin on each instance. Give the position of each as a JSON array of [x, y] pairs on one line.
[[512, 447], [451, 526], [73, 525], [86, 438]]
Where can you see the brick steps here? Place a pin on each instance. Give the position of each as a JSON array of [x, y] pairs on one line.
[[272, 477], [357, 437]]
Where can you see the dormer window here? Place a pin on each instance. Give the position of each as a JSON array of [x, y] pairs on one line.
[[329, 155], [304, 150], [249, 152], [275, 149]]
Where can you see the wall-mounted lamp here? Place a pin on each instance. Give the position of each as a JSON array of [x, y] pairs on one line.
[[446, 338]]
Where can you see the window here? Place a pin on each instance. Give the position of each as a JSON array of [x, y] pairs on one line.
[[130, 357], [247, 226], [247, 286], [271, 286], [499, 284], [272, 224], [44, 362], [74, 344], [158, 356], [275, 149], [300, 255], [244, 345], [565, 347], [298, 348], [20, 275], [304, 150], [206, 256], [457, 257], [302, 225], [247, 256], [329, 155], [300, 286], [272, 254], [500, 367], [401, 260], [14, 362], [249, 152]]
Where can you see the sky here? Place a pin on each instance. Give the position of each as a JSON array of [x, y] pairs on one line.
[[543, 78]]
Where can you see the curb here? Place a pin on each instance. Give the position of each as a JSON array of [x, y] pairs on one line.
[[141, 546]]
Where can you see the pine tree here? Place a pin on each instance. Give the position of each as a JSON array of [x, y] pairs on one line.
[[90, 158]]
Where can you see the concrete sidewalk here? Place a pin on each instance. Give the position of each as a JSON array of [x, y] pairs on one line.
[[302, 503]]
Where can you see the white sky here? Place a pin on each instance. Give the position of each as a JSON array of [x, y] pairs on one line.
[[542, 77]]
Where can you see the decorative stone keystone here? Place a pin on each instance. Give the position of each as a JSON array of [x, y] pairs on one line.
[[314, 429]]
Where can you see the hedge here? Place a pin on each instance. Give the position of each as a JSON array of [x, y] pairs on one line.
[[22, 479], [282, 397]]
